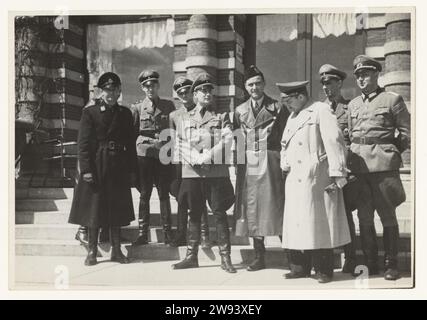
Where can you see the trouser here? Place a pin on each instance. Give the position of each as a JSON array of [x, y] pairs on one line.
[[153, 172], [381, 192], [302, 261], [194, 192], [183, 220]]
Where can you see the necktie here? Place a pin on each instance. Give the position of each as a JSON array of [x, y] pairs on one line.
[[257, 108], [333, 105]]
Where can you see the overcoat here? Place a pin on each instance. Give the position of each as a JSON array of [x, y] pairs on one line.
[[313, 151], [106, 148], [259, 185]]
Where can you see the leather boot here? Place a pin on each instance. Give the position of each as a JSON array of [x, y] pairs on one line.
[[391, 242], [368, 237], [349, 249], [165, 214], [92, 247], [143, 221], [350, 259], [299, 264], [181, 234], [104, 235], [223, 238], [142, 234], [191, 260], [116, 252], [167, 234], [259, 262], [205, 243], [82, 235]]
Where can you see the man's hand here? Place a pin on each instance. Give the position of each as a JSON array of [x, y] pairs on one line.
[[340, 182], [87, 177]]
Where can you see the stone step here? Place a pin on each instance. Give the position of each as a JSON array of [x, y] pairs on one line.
[[67, 193], [275, 256], [156, 235], [64, 205], [130, 233], [61, 217]]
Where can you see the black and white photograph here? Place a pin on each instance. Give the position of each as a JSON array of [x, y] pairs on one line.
[[213, 149]]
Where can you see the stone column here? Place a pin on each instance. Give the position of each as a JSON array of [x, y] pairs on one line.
[[397, 51], [201, 46]]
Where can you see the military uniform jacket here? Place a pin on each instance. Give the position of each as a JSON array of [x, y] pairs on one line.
[[106, 148], [150, 118], [260, 192], [341, 112], [374, 121], [196, 133]]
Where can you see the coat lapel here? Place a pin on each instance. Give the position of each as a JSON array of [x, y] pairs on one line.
[[296, 124], [247, 116]]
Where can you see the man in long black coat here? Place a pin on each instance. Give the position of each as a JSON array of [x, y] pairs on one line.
[[107, 157]]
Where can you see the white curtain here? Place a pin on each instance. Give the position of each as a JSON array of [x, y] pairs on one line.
[[284, 26], [103, 39], [277, 27], [336, 24]]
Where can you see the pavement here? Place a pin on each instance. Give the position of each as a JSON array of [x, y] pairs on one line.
[[61, 272]]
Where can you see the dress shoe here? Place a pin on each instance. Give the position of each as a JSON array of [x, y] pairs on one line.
[[323, 278], [296, 275]]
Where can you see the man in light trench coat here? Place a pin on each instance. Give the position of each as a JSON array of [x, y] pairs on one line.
[[259, 124], [314, 157]]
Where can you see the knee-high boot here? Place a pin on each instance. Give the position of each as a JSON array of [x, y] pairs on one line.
[[368, 236], [116, 252], [191, 259], [223, 238], [391, 242], [92, 247], [259, 262], [181, 235]]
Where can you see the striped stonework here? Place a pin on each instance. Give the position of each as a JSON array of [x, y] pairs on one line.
[[375, 39], [212, 44]]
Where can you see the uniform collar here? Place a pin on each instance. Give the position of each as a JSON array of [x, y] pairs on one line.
[[372, 95]]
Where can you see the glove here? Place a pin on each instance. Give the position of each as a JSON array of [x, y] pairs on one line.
[[87, 177]]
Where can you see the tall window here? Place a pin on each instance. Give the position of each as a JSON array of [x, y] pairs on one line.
[[329, 38], [127, 49]]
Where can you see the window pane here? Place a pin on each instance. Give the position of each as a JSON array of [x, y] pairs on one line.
[[340, 52]]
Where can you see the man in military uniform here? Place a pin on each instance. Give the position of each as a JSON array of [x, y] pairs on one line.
[[332, 79], [379, 124], [151, 116], [260, 193], [203, 137], [107, 159], [182, 87]]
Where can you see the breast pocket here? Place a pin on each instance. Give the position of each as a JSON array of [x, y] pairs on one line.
[[146, 121], [382, 116]]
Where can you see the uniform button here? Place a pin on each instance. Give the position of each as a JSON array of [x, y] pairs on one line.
[[299, 180], [300, 143], [299, 161]]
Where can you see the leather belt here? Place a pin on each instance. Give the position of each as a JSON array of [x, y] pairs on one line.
[[113, 146], [371, 140]]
